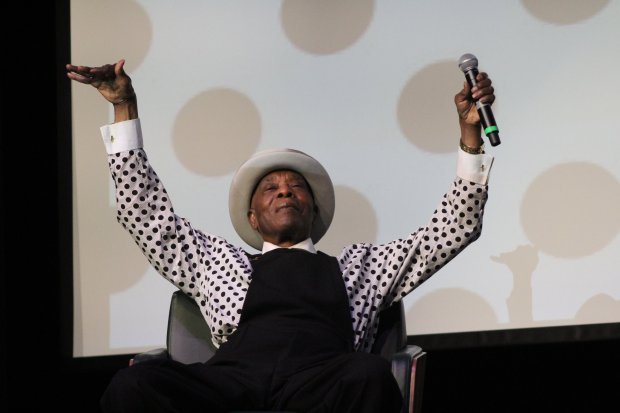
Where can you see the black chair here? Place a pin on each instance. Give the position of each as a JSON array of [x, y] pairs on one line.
[[189, 341]]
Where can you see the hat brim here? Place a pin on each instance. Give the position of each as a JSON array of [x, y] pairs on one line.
[[249, 174]]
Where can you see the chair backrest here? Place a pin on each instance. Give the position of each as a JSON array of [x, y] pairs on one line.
[[189, 336], [392, 333]]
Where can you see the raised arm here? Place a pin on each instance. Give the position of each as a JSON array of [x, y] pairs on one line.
[[187, 257], [376, 275]]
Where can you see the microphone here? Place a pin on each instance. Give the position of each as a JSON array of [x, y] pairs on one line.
[[468, 63]]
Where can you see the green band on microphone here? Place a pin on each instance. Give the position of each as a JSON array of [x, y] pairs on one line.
[[490, 129]]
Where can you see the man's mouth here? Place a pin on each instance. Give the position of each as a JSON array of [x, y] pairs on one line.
[[286, 206]]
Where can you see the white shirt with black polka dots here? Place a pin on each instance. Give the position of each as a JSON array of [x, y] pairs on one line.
[[217, 274]]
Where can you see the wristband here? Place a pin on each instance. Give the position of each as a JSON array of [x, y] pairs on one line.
[[473, 151]]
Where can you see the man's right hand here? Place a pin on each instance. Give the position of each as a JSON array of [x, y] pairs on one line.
[[110, 80]]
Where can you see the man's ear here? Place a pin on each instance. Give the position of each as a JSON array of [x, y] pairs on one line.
[[252, 219]]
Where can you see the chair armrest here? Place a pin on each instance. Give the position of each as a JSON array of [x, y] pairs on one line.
[[408, 369], [158, 353]]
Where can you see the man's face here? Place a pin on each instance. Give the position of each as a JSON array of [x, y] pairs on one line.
[[282, 208]]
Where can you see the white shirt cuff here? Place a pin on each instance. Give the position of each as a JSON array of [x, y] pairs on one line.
[[474, 168], [122, 136]]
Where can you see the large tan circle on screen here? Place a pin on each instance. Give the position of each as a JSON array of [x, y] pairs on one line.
[[108, 31], [216, 131], [325, 26], [563, 11], [426, 113], [571, 210]]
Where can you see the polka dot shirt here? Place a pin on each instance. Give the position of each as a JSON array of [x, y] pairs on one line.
[[217, 274]]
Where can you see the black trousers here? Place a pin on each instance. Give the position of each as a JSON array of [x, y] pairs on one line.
[[350, 382]]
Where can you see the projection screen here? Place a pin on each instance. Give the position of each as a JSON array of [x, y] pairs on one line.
[[367, 88]]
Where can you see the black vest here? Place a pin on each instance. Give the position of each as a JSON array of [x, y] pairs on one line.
[[296, 309]]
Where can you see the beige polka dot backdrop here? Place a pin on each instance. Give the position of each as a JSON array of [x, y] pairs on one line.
[[564, 11], [425, 101], [464, 310], [325, 26], [600, 308], [367, 88], [521, 262], [105, 265], [571, 210], [355, 220], [216, 131], [103, 35]]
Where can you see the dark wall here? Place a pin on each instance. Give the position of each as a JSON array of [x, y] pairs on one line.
[[38, 372], [31, 272]]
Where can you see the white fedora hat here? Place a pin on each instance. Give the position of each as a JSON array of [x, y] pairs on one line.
[[260, 164]]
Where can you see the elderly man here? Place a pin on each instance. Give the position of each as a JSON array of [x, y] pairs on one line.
[[294, 326]]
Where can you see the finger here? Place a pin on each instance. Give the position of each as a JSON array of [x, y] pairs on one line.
[[484, 91], [77, 71], [118, 68], [487, 99], [485, 95], [82, 70], [466, 91], [466, 88], [483, 83], [462, 96], [80, 78]]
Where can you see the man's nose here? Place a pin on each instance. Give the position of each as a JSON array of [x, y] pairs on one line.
[[285, 192]]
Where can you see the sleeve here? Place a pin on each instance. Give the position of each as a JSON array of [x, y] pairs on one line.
[[185, 256], [388, 272]]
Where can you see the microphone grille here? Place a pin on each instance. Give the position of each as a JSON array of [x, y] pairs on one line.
[[467, 62]]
